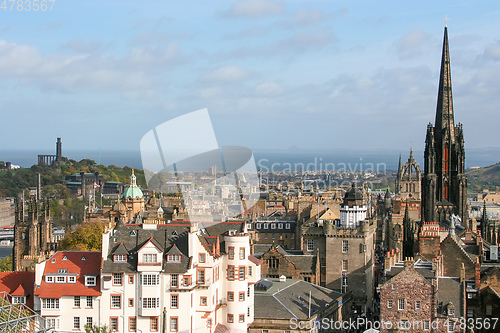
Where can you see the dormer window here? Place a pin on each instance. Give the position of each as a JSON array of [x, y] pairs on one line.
[[90, 281], [62, 271], [49, 279], [71, 279], [65, 258], [120, 258], [60, 279], [83, 258], [174, 258], [149, 258]]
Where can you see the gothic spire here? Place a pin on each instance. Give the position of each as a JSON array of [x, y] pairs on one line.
[[444, 109]]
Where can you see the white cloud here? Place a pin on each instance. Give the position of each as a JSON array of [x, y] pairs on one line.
[[305, 16], [269, 89], [83, 72], [228, 74], [412, 44], [254, 9], [493, 52]]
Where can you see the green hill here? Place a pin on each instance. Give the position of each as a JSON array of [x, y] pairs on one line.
[[484, 178]]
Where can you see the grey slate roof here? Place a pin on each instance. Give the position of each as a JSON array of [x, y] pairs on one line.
[[290, 299], [132, 237], [449, 292]]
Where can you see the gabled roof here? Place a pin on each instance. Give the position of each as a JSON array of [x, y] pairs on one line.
[[152, 241], [74, 265], [120, 249], [18, 284], [134, 237], [10, 282]]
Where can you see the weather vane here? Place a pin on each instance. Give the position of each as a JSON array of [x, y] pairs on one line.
[[446, 18]]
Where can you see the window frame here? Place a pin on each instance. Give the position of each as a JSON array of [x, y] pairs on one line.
[[174, 301], [113, 298]]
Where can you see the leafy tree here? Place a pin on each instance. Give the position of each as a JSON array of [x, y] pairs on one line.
[[86, 237], [6, 264], [96, 329]]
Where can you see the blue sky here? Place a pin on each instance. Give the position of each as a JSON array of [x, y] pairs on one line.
[[273, 74]]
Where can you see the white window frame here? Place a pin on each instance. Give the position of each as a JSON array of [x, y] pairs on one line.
[[173, 257], [18, 299], [150, 302], [116, 301], [50, 303], [149, 258], [345, 246], [90, 281], [310, 245], [401, 304], [150, 280], [76, 323], [120, 258], [117, 279]]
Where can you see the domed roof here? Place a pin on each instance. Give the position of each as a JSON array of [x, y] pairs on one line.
[[353, 194], [133, 191], [119, 207]]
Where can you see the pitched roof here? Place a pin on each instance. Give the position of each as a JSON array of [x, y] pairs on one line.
[[18, 284], [134, 237], [290, 299], [75, 265], [449, 293]]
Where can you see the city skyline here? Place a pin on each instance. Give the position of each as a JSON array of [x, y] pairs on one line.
[[322, 75]]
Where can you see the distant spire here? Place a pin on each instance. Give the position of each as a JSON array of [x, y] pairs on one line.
[[444, 109], [133, 179], [485, 214], [400, 165], [406, 218]]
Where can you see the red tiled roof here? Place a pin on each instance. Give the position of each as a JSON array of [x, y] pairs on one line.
[[18, 284], [74, 264]]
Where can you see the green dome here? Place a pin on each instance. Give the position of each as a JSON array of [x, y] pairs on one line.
[[133, 192]]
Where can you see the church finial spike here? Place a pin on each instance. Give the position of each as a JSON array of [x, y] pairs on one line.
[[446, 18]]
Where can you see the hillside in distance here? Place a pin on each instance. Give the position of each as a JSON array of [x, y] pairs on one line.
[[484, 178]]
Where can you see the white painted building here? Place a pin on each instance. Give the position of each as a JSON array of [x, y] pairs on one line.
[[67, 291], [153, 278], [178, 277], [353, 209]]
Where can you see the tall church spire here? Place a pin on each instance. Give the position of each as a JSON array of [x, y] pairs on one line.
[[444, 110], [444, 185]]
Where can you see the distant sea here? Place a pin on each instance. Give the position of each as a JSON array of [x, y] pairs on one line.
[[294, 159], [5, 251]]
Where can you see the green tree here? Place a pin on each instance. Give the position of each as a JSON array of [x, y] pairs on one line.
[[96, 329], [6, 264], [86, 237]]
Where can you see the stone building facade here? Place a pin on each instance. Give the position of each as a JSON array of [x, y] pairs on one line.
[[32, 233], [346, 253]]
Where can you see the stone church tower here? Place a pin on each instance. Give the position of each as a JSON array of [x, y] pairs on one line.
[[444, 184], [32, 233], [409, 179]]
